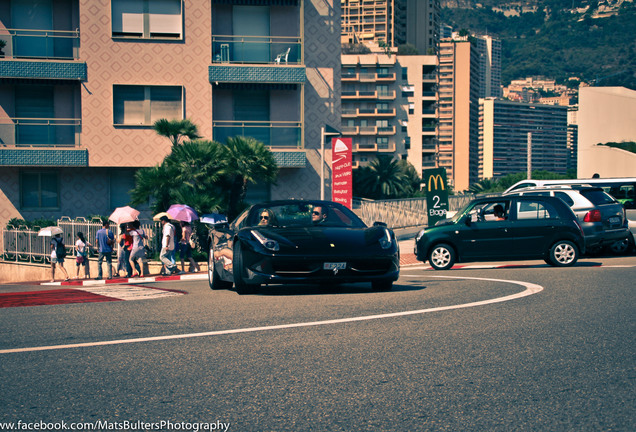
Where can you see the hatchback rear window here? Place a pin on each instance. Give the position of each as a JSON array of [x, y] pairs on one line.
[[598, 197]]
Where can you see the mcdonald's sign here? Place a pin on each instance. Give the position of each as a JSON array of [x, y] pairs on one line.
[[436, 194]]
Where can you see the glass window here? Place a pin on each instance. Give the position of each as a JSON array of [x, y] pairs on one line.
[[535, 210], [39, 190], [143, 105], [147, 18]]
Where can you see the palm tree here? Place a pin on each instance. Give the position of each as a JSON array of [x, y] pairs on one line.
[[384, 178], [190, 174], [247, 160], [176, 130]]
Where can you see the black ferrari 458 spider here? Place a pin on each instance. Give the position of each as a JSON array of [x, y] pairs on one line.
[[300, 242]]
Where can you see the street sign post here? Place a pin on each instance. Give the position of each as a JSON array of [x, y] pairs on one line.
[[436, 194]]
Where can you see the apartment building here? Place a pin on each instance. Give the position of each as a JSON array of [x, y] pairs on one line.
[[389, 107], [395, 22], [489, 50], [458, 112], [514, 133], [82, 82]]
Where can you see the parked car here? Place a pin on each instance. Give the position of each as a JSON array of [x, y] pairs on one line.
[[504, 228], [300, 242], [602, 217]]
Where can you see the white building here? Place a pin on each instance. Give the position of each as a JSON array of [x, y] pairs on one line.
[[606, 114]]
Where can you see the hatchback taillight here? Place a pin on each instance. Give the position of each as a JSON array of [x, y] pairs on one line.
[[592, 216]]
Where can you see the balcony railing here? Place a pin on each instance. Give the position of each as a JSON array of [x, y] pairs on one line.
[[41, 44], [41, 132], [272, 134], [256, 49]]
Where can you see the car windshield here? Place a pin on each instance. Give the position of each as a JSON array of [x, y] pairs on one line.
[[303, 214]]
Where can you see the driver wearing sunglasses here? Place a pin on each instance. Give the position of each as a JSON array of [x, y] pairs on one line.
[[266, 217]]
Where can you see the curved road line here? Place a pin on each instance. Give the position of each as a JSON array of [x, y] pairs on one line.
[[530, 289]]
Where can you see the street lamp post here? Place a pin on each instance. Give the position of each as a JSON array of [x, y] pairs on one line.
[[325, 131]]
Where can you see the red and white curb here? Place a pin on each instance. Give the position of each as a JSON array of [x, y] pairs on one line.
[[131, 281]]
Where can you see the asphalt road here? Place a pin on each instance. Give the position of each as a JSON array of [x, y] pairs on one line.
[[531, 348]]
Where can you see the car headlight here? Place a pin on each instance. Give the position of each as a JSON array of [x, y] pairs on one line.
[[267, 243], [419, 236], [385, 240]]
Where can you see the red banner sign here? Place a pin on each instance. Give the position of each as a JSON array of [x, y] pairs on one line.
[[341, 187]]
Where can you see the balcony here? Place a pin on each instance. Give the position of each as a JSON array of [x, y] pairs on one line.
[[359, 94], [368, 112], [41, 54], [273, 50], [278, 134], [40, 132]]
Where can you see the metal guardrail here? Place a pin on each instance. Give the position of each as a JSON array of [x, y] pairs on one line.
[[403, 213], [21, 244]]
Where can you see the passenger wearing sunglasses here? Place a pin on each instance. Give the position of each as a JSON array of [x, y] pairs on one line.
[[318, 215]]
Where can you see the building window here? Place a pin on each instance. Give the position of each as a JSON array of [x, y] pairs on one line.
[[144, 105], [405, 74], [161, 19], [39, 190]]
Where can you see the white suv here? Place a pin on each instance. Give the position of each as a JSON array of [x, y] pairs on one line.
[[602, 218]]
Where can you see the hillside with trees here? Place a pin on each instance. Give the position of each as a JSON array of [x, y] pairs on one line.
[[560, 39]]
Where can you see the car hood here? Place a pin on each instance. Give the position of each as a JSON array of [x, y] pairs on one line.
[[324, 240]]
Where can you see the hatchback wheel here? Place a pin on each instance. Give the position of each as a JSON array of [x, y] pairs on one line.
[[442, 257], [621, 247], [563, 253]]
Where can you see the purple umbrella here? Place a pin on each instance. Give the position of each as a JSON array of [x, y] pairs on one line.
[[182, 212]]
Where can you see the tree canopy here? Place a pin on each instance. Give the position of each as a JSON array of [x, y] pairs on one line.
[[206, 175]]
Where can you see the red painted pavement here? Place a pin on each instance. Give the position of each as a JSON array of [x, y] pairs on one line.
[[50, 297]]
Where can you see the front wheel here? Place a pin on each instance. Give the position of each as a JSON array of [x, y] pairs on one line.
[[563, 253], [240, 285], [214, 279], [442, 257]]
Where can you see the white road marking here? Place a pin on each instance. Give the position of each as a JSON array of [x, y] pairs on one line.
[[128, 292], [530, 289]]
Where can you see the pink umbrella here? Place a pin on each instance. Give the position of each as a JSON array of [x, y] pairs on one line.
[[124, 214], [182, 212]]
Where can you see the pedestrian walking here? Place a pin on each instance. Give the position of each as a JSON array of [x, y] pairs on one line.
[[138, 252], [185, 250], [81, 256], [58, 252], [167, 245], [105, 240]]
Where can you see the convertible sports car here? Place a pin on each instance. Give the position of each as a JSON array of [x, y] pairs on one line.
[[300, 242]]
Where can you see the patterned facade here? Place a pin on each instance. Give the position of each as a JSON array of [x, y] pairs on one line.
[[78, 99]]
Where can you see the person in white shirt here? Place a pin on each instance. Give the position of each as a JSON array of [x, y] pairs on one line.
[[167, 245]]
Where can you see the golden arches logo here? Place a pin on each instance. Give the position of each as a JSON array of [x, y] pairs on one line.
[[434, 179]]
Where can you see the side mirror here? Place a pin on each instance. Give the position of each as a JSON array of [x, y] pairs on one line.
[[378, 223], [468, 220]]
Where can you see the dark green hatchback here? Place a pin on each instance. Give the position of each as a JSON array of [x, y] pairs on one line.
[[504, 228]]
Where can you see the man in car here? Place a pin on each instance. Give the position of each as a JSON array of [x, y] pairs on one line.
[[318, 215]]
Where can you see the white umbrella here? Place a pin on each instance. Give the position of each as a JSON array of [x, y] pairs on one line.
[[124, 214], [50, 231]]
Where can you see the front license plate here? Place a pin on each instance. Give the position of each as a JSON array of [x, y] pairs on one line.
[[335, 266]]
